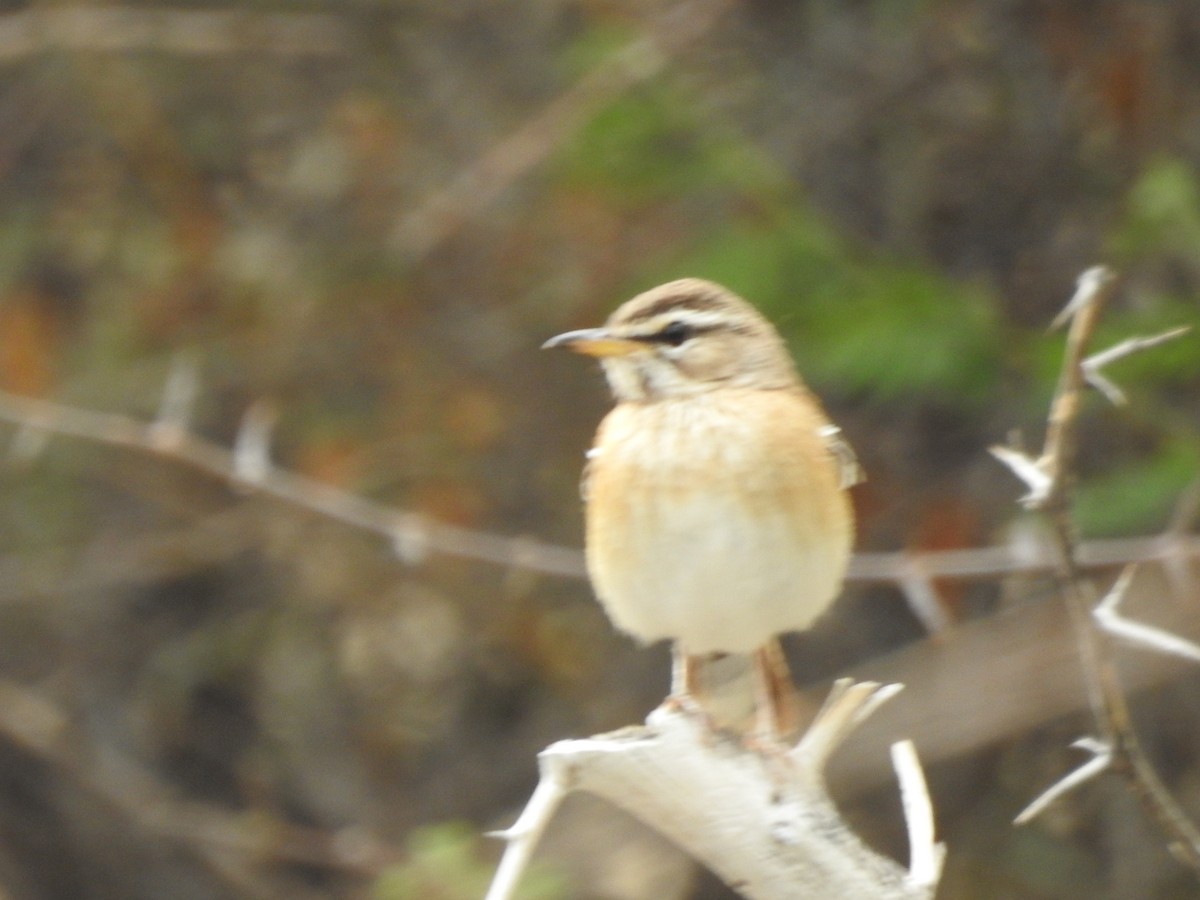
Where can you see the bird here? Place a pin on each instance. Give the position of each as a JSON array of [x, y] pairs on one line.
[[717, 512]]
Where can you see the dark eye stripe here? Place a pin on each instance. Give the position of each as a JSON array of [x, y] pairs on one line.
[[675, 333]]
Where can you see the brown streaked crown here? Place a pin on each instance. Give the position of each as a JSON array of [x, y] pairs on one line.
[[690, 336]]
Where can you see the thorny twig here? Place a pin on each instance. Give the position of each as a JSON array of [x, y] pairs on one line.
[[230, 843], [188, 32], [415, 536], [1049, 478]]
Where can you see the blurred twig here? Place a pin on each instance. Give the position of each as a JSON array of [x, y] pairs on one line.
[[1049, 478], [414, 536], [233, 844], [248, 466], [191, 32]]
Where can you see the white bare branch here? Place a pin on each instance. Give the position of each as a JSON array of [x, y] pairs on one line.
[[925, 854], [849, 703], [524, 834], [763, 821]]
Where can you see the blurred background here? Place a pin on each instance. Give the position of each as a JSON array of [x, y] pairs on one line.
[[365, 217]]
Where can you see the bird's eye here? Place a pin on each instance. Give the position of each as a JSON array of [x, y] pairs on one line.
[[675, 333]]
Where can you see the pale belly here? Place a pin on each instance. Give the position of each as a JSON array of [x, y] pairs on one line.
[[706, 529]]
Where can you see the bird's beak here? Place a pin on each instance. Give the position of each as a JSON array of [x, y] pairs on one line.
[[597, 342]]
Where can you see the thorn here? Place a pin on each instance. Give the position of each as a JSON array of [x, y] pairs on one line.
[[252, 447], [410, 539], [174, 417], [1136, 633], [1097, 361], [1028, 470], [1116, 593], [1087, 288], [1102, 756], [1109, 389], [923, 598]]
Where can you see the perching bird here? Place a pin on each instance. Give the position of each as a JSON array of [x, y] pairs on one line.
[[716, 490]]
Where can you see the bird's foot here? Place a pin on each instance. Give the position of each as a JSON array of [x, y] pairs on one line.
[[690, 707]]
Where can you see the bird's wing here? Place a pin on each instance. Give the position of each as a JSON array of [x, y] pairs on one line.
[[585, 475], [850, 471]]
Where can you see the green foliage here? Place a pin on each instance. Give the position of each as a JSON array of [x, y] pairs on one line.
[[1139, 496], [869, 324], [444, 864], [642, 148], [1163, 213], [654, 143], [1175, 363], [881, 327]]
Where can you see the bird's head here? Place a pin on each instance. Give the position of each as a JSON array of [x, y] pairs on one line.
[[684, 338]]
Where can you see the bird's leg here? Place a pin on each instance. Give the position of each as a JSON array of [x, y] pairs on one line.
[[687, 688], [685, 669], [776, 712]]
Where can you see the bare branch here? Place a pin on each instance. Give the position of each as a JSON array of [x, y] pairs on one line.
[[763, 823], [524, 834], [416, 537], [124, 29], [413, 536], [1110, 709], [1058, 451], [926, 855], [849, 703]]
